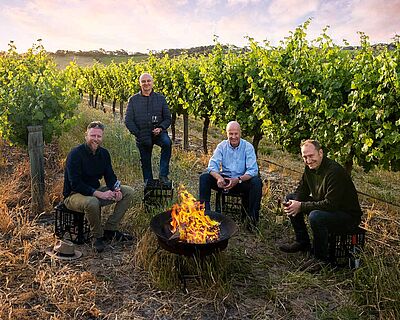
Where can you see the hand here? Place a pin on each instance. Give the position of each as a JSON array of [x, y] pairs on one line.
[[231, 182], [221, 183], [107, 195], [293, 208], [117, 195], [157, 131]]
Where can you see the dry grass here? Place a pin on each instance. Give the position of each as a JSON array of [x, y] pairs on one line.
[[251, 279]]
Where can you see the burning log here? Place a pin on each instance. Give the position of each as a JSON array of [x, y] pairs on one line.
[[187, 230], [189, 221]]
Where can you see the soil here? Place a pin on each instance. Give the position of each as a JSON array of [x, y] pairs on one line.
[[261, 282]]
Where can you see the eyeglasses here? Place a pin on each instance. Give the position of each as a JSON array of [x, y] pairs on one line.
[[95, 124]]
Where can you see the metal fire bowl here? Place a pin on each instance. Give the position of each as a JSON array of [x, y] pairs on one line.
[[160, 224]]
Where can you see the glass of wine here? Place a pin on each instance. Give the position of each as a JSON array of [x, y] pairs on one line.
[[154, 121]]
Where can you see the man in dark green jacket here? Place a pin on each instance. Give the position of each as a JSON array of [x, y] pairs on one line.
[[327, 194], [147, 118]]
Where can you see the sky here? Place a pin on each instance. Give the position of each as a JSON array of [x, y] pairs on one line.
[[155, 25]]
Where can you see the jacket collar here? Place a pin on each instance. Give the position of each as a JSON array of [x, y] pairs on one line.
[[151, 93], [322, 166]]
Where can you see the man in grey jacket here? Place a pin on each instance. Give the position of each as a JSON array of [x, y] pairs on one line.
[[147, 118]]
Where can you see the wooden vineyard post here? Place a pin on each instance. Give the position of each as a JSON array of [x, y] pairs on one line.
[[173, 122], [36, 159], [185, 131], [121, 111]]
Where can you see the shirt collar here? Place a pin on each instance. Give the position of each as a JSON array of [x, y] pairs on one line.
[[89, 151], [230, 146]]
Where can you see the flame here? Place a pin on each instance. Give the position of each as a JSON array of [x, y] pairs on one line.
[[189, 220]]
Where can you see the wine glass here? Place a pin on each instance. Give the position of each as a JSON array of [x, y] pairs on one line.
[[154, 121]]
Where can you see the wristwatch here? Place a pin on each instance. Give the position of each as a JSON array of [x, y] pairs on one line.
[[240, 180]]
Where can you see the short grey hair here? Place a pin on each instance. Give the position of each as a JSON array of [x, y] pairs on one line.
[[315, 143], [145, 74]]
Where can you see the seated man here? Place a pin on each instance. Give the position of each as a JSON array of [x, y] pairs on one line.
[[148, 118], [233, 166], [327, 194], [86, 165]]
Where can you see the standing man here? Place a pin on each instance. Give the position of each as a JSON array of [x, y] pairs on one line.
[[233, 166], [327, 194], [86, 164], [147, 118]]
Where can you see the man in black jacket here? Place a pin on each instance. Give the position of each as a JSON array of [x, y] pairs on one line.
[[147, 118], [86, 164], [327, 194]]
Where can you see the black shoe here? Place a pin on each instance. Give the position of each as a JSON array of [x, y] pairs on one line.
[[165, 181], [98, 245], [295, 247], [149, 183], [117, 235]]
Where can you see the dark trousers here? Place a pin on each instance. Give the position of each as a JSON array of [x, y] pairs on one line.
[[165, 143], [322, 223], [252, 190]]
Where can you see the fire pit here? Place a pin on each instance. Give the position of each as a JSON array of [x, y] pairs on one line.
[[161, 226]]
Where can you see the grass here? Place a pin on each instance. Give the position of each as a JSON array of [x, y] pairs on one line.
[[251, 279]]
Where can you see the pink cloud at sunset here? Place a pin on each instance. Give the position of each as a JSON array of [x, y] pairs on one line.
[[157, 25]]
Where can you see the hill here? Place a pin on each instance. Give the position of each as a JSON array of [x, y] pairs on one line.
[[87, 58]]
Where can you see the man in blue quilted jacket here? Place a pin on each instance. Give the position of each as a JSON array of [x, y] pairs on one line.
[[147, 118]]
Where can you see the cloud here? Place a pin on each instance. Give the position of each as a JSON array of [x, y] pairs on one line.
[[379, 20], [93, 24], [385, 22], [289, 11], [162, 24], [242, 2]]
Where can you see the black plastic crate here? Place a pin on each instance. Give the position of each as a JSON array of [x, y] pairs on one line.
[[157, 194], [345, 249], [230, 203], [71, 225]]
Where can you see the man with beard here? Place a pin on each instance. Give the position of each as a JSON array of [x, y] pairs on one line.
[[328, 196], [86, 164]]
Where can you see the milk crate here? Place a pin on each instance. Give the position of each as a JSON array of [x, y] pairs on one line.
[[345, 249], [71, 225], [230, 203], [157, 194]]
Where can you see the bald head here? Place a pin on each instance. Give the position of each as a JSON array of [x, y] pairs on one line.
[[146, 83], [232, 124], [145, 75], [233, 133]]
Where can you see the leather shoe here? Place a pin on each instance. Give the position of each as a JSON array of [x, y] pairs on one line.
[[98, 245], [165, 181], [117, 235], [295, 247]]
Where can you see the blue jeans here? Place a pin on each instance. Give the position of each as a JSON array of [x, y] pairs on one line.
[[252, 190], [165, 143], [322, 223]]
